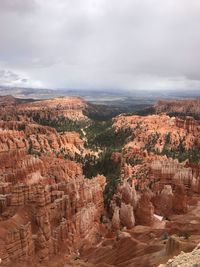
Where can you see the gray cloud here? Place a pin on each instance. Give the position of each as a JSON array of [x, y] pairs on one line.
[[11, 78], [8, 77], [130, 44], [17, 6]]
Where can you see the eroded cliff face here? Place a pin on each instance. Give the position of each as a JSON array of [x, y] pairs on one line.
[[47, 206], [166, 181], [182, 107], [50, 206], [36, 138], [62, 107], [159, 132], [54, 110]]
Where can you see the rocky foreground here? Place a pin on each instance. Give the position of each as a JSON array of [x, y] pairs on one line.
[[185, 259], [52, 214]]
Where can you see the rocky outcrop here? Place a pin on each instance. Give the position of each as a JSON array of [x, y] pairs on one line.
[[18, 244], [169, 171], [185, 259], [182, 107], [144, 213], [158, 133], [126, 215], [116, 219], [67, 211], [24, 147], [180, 205], [173, 245], [39, 137], [16, 166], [130, 208], [163, 202], [128, 193], [7, 100], [123, 204], [62, 107], [45, 201]]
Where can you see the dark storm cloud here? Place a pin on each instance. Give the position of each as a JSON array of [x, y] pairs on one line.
[[129, 44]]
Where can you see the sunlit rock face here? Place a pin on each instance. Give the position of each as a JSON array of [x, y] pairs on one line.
[[67, 107], [52, 205], [37, 138], [158, 132], [145, 165], [46, 203], [152, 182]]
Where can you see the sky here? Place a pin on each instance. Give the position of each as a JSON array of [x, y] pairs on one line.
[[100, 44]]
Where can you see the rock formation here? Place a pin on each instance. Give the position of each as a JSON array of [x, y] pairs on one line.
[[45, 200], [66, 107], [68, 210], [145, 211], [185, 259], [182, 107], [156, 133]]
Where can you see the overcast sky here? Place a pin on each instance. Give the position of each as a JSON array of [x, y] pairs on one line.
[[118, 44]]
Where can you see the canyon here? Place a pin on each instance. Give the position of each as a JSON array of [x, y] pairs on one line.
[[80, 192]]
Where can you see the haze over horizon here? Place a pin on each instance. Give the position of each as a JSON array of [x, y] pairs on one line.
[[93, 44]]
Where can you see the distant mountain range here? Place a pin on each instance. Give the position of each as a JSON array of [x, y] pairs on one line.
[[100, 96]]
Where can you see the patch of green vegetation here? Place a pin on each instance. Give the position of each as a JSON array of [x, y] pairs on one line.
[[179, 152], [30, 147], [152, 140], [134, 161], [107, 166], [185, 234], [21, 127], [142, 112], [102, 112], [184, 115], [32, 151], [146, 111], [141, 172], [182, 154], [104, 135], [25, 100], [62, 124]]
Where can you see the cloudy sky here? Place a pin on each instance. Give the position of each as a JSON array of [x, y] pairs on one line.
[[93, 44]]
